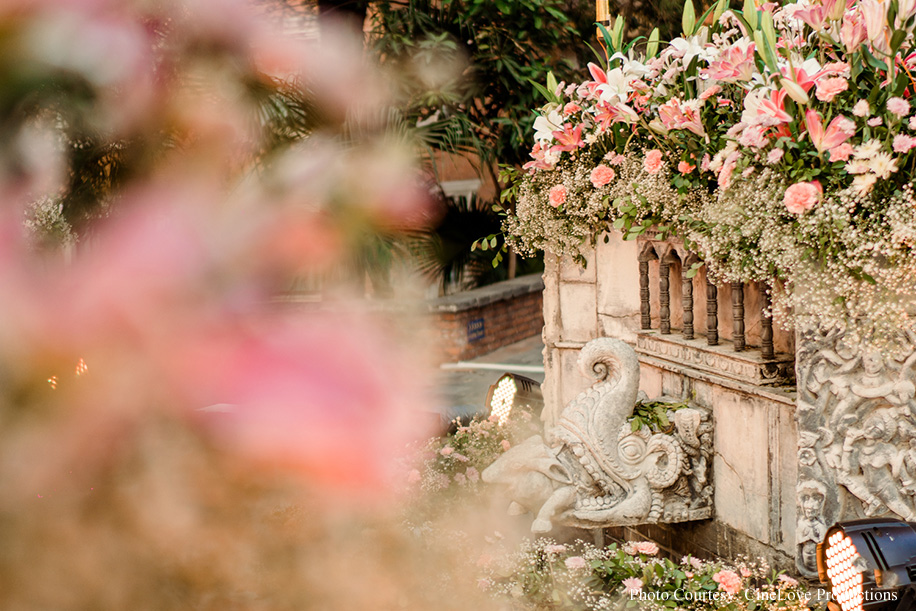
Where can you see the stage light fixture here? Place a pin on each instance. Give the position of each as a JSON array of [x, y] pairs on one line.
[[513, 391], [869, 565]]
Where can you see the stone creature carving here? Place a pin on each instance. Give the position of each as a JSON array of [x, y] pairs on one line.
[[591, 470], [857, 436]]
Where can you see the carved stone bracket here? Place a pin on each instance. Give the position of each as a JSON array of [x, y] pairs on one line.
[[592, 470], [856, 437]]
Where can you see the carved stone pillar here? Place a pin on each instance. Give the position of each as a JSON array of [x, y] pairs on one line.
[[766, 324], [687, 295], [645, 309], [738, 315], [664, 299], [712, 313]]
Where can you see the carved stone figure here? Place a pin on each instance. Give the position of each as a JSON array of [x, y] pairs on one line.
[[857, 436], [811, 526], [591, 470]]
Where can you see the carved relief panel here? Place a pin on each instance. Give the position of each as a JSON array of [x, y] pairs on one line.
[[857, 437]]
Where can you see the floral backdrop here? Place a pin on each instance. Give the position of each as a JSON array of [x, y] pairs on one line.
[[776, 141]]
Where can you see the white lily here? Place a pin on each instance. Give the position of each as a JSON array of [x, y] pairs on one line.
[[544, 126]]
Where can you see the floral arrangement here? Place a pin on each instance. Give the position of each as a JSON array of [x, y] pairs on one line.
[[546, 575], [776, 141], [454, 462]]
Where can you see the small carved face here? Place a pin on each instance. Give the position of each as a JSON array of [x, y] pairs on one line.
[[812, 503], [873, 363]]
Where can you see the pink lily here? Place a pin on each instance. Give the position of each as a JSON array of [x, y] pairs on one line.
[[569, 139], [774, 109], [838, 131], [853, 32], [735, 64], [608, 114], [816, 15], [677, 116], [804, 80]]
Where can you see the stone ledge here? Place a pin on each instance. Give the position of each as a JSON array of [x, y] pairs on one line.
[[747, 366], [486, 295]]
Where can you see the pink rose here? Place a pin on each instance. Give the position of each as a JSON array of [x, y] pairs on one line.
[[802, 196], [646, 547], [632, 585], [506, 445], [576, 562], [602, 175], [728, 581], [898, 107], [685, 168], [653, 161], [829, 88], [841, 152], [558, 195]]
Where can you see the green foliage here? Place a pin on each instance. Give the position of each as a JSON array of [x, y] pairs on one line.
[[491, 51], [654, 415]]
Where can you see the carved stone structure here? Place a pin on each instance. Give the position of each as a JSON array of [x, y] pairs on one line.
[[856, 437], [591, 470]]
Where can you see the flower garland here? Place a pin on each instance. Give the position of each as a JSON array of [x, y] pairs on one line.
[[777, 142]]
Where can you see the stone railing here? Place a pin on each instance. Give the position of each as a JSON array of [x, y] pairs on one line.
[[722, 329]]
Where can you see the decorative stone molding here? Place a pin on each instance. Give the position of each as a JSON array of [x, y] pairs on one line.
[[591, 470], [856, 438], [744, 367]]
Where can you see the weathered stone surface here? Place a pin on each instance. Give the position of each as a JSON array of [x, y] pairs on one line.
[[617, 267], [856, 437], [591, 470], [578, 312]]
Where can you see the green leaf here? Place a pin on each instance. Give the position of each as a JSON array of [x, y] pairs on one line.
[[551, 82], [872, 60], [618, 32], [652, 46], [548, 95], [749, 12], [608, 40], [721, 7], [688, 18]]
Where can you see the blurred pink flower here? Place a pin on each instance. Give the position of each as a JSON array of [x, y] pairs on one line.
[[632, 586], [646, 547], [829, 88], [557, 195], [446, 451], [898, 107], [875, 122], [802, 196], [602, 175], [728, 581], [554, 549], [472, 474], [653, 161], [774, 156], [785, 580], [861, 108], [685, 168], [505, 445], [904, 143], [576, 563], [841, 152], [838, 131]]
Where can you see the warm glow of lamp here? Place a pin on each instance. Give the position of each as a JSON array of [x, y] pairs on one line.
[[510, 391]]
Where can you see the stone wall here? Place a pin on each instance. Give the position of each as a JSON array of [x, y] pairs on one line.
[[475, 322], [754, 465]]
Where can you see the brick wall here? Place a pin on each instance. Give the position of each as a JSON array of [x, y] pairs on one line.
[[475, 322]]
